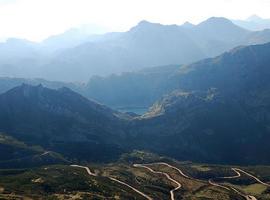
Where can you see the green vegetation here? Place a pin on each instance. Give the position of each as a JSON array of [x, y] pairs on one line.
[[256, 189], [17, 154], [8, 140], [66, 182]]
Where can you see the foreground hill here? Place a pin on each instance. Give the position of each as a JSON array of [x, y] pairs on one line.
[[17, 154], [60, 120], [138, 175]]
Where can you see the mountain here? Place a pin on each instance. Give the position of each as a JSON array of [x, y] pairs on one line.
[[187, 25], [62, 121], [253, 23], [217, 113], [100, 88], [139, 89], [152, 44], [129, 91], [220, 113], [19, 47], [145, 45], [73, 37], [214, 27], [243, 69], [254, 18], [20, 58], [7, 83]]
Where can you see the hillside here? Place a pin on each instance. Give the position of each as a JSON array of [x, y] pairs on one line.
[[138, 175], [61, 120], [133, 89], [17, 154], [220, 113], [243, 68]]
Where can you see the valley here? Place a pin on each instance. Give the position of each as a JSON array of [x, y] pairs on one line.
[[148, 108], [154, 178]]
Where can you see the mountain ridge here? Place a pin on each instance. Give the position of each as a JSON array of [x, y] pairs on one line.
[[144, 45], [59, 119]]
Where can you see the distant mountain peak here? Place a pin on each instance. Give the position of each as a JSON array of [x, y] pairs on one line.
[[27, 89], [187, 25], [24, 86], [254, 18], [144, 22], [216, 20], [222, 25], [19, 41], [145, 25]]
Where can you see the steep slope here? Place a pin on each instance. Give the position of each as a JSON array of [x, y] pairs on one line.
[[239, 70], [60, 120], [16, 154], [134, 89], [221, 113], [164, 81]]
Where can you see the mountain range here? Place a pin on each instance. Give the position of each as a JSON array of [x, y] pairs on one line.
[[217, 113], [145, 45], [253, 23]]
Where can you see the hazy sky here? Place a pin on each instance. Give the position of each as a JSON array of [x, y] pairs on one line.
[[37, 19]]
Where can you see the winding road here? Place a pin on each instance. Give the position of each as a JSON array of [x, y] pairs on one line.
[[250, 175], [238, 174], [134, 189], [114, 179], [231, 177], [178, 184], [45, 153], [86, 168], [168, 165], [165, 174]]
